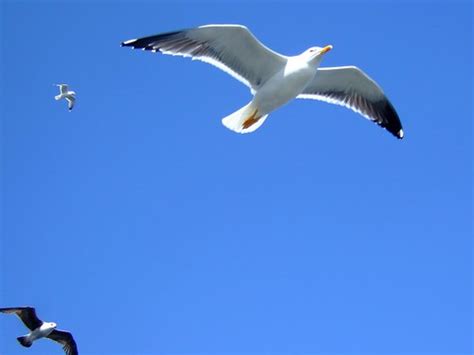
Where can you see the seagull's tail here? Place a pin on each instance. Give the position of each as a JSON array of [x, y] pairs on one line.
[[25, 341], [245, 120], [57, 97]]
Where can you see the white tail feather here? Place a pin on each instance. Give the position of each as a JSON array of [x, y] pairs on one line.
[[235, 121]]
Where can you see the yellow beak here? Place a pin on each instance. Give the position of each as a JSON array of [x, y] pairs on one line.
[[326, 49]]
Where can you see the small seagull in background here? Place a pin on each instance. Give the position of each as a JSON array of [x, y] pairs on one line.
[[65, 93], [40, 329]]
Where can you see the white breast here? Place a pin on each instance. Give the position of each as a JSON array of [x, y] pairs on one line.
[[284, 86], [44, 330]]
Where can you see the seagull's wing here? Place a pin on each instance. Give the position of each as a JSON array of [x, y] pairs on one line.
[[232, 48], [26, 314], [63, 88], [66, 340], [352, 88], [71, 100]]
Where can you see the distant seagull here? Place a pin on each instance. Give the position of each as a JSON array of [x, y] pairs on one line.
[[274, 79], [40, 329], [65, 93]]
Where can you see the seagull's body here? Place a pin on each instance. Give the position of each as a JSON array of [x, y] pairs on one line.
[[40, 329], [41, 332], [65, 93], [285, 85], [274, 79]]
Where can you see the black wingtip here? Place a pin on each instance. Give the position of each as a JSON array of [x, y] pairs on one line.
[[396, 132], [145, 42], [389, 118], [129, 43]]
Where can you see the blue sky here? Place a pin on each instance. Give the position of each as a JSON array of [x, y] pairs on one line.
[[142, 225]]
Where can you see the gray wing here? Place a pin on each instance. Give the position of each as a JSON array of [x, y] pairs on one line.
[[66, 340], [351, 87], [63, 88], [232, 48], [26, 314], [71, 100]]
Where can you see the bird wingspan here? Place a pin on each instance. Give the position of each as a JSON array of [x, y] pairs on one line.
[[66, 340], [351, 87], [232, 48], [26, 314]]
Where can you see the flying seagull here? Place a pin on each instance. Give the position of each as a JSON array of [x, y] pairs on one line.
[[275, 79], [40, 329], [65, 93]]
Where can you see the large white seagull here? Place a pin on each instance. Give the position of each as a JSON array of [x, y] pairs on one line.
[[275, 79]]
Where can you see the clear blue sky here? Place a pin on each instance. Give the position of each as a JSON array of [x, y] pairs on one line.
[[142, 225]]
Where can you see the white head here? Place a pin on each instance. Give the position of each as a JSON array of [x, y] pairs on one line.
[[314, 54], [52, 325]]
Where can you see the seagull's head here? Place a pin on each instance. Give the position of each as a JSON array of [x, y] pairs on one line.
[[314, 54], [52, 325]]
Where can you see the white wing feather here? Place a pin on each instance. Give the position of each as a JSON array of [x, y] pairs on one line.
[[351, 87], [231, 48]]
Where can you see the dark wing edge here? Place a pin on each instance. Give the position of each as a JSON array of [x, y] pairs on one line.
[[178, 43], [66, 340], [373, 104], [146, 43], [380, 112], [70, 102], [200, 44], [26, 314]]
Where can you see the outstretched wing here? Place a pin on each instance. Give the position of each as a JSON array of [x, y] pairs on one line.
[[352, 88], [66, 340], [71, 100], [26, 314], [63, 88], [232, 48]]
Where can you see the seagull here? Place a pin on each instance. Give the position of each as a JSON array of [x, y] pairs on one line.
[[40, 329], [67, 94], [275, 79]]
